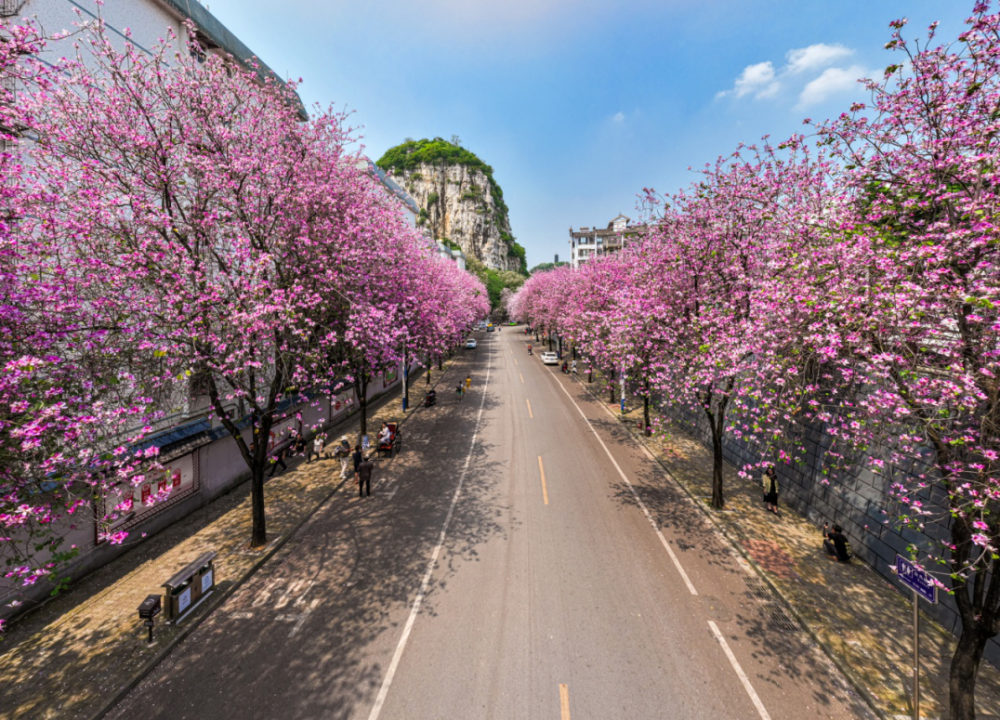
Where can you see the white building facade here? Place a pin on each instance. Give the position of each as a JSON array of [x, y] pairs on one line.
[[587, 242]]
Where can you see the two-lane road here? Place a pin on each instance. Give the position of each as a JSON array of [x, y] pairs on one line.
[[521, 559]]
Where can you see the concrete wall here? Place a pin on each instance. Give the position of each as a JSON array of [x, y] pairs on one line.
[[854, 498]]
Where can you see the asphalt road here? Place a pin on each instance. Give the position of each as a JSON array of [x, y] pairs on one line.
[[521, 558]]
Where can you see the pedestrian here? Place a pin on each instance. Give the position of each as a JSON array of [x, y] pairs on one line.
[[835, 543], [278, 459], [468, 383], [344, 455], [357, 457], [460, 391], [365, 470], [319, 443], [298, 444], [770, 483]]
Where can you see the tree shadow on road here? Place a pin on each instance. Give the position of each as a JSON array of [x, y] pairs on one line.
[[308, 637]]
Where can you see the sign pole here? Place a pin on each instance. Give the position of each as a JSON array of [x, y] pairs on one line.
[[923, 586], [916, 657]]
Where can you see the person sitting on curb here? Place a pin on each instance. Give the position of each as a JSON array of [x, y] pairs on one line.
[[835, 543]]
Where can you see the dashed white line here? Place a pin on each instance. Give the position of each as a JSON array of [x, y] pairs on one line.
[[642, 505], [425, 582], [739, 672]]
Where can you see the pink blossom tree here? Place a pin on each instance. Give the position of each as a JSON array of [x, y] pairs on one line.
[[905, 323]]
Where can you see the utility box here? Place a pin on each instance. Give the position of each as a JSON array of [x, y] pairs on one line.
[[189, 587], [150, 607]]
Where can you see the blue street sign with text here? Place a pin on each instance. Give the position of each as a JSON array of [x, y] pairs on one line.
[[916, 579]]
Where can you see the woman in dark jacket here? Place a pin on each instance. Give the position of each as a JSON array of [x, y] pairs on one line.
[[357, 456], [770, 483]]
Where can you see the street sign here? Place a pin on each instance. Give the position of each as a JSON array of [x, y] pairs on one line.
[[918, 580]]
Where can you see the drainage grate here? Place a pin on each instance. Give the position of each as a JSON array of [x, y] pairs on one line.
[[777, 617]]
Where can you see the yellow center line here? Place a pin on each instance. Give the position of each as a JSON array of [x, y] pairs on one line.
[[530, 414], [545, 497], [522, 378], [564, 701]]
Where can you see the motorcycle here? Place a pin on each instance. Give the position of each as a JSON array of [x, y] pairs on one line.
[[529, 350], [430, 399], [565, 368]]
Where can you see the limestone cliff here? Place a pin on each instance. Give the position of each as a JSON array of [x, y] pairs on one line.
[[458, 198]]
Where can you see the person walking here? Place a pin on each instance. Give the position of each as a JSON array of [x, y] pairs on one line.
[[318, 445], [468, 383], [365, 470], [770, 483], [460, 391], [278, 459], [357, 457], [344, 455]]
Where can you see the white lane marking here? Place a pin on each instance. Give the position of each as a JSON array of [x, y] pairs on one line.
[[287, 595], [642, 505], [299, 619], [425, 583], [739, 672]]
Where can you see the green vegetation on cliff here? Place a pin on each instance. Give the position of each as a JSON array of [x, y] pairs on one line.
[[494, 280], [414, 153]]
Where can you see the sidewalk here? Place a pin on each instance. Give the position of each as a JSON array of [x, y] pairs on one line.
[[67, 659], [862, 621]]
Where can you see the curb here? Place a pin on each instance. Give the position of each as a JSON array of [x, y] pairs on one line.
[[196, 621], [844, 669], [151, 664]]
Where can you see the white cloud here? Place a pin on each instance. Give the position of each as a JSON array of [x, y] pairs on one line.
[[762, 80], [755, 79], [832, 81], [618, 118], [815, 57]]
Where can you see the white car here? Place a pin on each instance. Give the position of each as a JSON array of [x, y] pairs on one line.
[[549, 358], [470, 343]]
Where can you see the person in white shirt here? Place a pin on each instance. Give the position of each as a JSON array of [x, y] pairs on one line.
[[384, 435], [319, 443]]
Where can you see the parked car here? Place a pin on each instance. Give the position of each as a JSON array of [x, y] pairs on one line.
[[470, 343], [489, 328], [549, 358]]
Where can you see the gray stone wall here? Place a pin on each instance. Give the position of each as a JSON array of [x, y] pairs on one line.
[[854, 497]]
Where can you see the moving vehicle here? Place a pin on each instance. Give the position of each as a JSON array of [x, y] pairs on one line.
[[430, 398], [549, 358], [489, 328], [471, 343]]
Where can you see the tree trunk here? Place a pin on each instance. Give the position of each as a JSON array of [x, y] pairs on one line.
[[361, 391], [612, 384], [258, 534], [439, 362], [647, 428], [964, 669], [550, 341], [718, 499]]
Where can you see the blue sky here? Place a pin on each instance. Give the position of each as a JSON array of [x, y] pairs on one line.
[[580, 104]]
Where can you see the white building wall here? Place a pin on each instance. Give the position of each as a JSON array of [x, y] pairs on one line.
[[147, 21]]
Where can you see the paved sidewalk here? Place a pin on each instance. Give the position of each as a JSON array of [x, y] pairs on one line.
[[67, 659], [861, 619]]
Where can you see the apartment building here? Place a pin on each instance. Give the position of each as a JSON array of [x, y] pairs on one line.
[[590, 242]]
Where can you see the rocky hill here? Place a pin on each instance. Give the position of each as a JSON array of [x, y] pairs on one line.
[[458, 198]]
